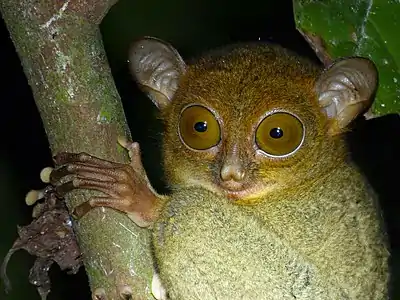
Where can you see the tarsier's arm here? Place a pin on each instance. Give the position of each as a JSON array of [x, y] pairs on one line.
[[126, 187]]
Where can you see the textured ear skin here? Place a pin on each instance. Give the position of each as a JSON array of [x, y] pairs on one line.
[[346, 89], [156, 66]]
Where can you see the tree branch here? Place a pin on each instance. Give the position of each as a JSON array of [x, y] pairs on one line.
[[60, 47]]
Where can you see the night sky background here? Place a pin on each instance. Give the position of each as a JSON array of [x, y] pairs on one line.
[[192, 27]]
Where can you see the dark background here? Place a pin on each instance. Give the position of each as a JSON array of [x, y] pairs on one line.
[[191, 26]]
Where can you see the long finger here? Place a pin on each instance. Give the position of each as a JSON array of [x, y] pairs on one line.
[[78, 182], [84, 170], [83, 157]]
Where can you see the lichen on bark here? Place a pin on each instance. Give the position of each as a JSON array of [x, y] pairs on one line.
[[61, 51]]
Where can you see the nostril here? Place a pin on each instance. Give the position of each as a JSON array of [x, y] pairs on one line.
[[240, 175], [232, 172]]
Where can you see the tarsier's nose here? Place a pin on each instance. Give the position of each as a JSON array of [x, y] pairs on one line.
[[232, 172]]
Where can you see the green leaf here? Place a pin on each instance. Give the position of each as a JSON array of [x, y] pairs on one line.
[[363, 28]]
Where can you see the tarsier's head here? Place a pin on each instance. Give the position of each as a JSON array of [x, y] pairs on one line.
[[247, 120]]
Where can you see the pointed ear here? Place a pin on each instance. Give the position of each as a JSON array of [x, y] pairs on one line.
[[156, 66], [346, 89]]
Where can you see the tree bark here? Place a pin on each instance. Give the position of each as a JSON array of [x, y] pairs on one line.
[[61, 51]]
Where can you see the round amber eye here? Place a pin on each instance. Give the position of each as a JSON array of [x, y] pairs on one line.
[[198, 128], [280, 134]]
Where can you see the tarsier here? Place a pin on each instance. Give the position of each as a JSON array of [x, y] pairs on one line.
[[264, 201]]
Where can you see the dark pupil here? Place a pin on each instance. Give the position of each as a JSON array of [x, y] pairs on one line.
[[276, 133], [200, 126]]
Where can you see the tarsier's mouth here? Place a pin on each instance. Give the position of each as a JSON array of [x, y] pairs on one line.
[[244, 193], [235, 195], [237, 192]]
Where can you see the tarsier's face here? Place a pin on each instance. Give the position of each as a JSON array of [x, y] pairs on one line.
[[238, 126], [246, 121]]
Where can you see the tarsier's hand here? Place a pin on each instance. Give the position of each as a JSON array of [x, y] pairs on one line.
[[125, 186]]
